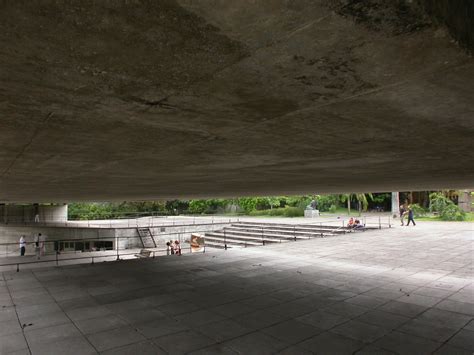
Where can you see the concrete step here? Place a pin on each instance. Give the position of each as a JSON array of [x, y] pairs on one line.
[[218, 245], [219, 238], [297, 232], [265, 235], [340, 229], [301, 228]]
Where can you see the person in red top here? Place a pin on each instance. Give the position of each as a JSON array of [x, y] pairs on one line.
[[351, 223], [177, 247]]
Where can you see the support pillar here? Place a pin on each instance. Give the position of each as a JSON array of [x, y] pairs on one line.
[[395, 205]]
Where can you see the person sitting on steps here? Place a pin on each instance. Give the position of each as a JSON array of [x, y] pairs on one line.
[[351, 223]]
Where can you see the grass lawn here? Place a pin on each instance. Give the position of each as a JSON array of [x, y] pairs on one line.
[[469, 218]]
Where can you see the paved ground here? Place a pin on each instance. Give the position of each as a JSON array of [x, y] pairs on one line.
[[401, 290]]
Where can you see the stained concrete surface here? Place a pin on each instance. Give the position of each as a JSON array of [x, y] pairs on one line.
[[162, 99], [405, 290]]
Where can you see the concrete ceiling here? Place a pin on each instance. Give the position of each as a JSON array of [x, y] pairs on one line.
[[123, 100]]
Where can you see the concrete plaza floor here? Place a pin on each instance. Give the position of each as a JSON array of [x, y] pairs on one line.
[[406, 290]]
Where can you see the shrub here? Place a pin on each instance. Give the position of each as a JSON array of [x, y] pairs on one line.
[[418, 211], [247, 204], [452, 213], [298, 201], [325, 202], [198, 206], [447, 210], [293, 212], [280, 212], [332, 209], [438, 202], [207, 206]]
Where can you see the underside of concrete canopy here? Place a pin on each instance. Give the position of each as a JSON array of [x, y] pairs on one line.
[[115, 100]]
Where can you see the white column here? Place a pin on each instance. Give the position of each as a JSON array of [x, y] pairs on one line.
[[395, 204]]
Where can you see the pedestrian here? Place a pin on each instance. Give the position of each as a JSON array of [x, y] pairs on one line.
[[22, 245], [402, 214], [37, 246], [42, 244], [171, 245], [410, 216], [351, 223], [177, 247]]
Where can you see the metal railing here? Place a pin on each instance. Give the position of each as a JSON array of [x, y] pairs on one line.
[[49, 251], [142, 221]]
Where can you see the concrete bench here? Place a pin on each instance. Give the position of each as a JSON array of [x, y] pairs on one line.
[[144, 253]]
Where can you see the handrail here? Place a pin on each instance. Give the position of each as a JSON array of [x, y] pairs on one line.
[[113, 225], [116, 257], [116, 251]]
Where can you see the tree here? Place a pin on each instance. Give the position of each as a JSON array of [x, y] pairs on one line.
[[446, 208], [274, 201], [361, 198], [347, 198]]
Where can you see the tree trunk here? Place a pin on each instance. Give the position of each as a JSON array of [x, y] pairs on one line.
[[349, 206]]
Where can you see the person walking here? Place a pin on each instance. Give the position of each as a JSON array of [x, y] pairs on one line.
[[22, 245], [42, 244], [37, 246], [410, 216], [402, 214]]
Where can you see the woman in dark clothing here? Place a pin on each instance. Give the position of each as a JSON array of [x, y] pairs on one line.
[[410, 216]]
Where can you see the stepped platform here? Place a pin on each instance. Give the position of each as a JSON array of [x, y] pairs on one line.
[[247, 234]]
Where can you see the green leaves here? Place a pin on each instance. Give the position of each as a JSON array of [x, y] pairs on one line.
[[446, 208]]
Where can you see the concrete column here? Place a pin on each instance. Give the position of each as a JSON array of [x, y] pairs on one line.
[[465, 200], [395, 205]]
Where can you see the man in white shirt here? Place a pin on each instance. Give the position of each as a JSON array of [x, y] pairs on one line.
[[22, 245]]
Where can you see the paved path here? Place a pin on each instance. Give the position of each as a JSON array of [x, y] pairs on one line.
[[406, 290]]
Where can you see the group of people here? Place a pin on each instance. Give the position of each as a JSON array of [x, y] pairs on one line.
[[354, 224], [174, 248], [407, 211], [38, 242]]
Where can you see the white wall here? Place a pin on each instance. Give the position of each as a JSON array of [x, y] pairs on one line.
[[26, 213]]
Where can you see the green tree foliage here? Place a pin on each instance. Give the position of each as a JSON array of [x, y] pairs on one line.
[[107, 210], [262, 205], [298, 201], [438, 202], [208, 206], [418, 211], [247, 204], [446, 208], [325, 202], [381, 198], [362, 200], [280, 212]]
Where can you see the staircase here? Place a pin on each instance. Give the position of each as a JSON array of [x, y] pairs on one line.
[[246, 234], [146, 237]]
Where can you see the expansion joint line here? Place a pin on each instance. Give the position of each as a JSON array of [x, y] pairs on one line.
[[62, 309], [22, 326], [25, 147]]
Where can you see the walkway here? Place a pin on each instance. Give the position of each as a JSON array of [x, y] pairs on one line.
[[400, 290]]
